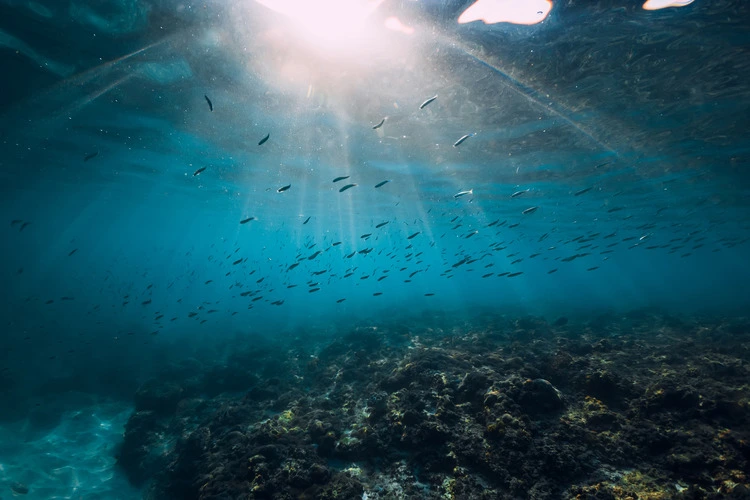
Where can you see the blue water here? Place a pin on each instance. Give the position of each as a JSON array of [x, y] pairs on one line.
[[130, 259]]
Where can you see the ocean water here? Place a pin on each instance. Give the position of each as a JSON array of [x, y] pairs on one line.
[[208, 203]]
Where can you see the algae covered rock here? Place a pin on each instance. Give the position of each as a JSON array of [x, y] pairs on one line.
[[158, 396], [540, 396]]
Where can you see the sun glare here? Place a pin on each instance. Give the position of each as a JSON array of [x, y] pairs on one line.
[[664, 4], [507, 11], [327, 23]]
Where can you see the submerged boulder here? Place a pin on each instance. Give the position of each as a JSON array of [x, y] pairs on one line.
[[158, 396], [540, 396]]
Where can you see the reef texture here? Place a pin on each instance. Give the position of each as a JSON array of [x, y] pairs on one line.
[[643, 406]]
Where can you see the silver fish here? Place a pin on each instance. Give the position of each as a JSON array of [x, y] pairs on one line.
[[428, 101], [462, 139]]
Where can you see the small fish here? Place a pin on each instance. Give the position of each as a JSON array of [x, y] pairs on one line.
[[428, 101], [348, 186], [210, 104], [198, 172], [263, 141], [245, 221], [91, 155], [72, 252], [292, 266], [307, 220], [462, 139], [519, 193], [283, 188], [377, 294], [313, 290], [379, 124], [530, 210], [381, 184], [381, 224], [511, 275], [582, 191], [16, 221], [277, 302], [463, 193], [413, 235], [238, 261], [429, 294], [340, 301], [365, 236], [335, 244], [23, 226], [341, 178]]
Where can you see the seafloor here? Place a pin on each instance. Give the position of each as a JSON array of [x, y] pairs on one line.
[[640, 406]]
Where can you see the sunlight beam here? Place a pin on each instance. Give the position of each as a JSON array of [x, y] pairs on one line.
[[334, 25]]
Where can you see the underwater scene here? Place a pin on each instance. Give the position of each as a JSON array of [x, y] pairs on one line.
[[374, 249]]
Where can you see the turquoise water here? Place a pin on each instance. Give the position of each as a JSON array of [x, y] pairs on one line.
[[606, 166]]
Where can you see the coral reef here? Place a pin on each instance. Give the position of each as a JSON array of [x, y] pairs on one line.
[[643, 406]]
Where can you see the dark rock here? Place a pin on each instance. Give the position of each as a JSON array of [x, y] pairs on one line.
[[139, 454], [158, 396], [538, 396], [319, 474], [602, 421], [604, 385], [19, 489], [561, 321], [670, 397], [227, 378], [377, 405], [473, 387], [341, 486], [259, 394]]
